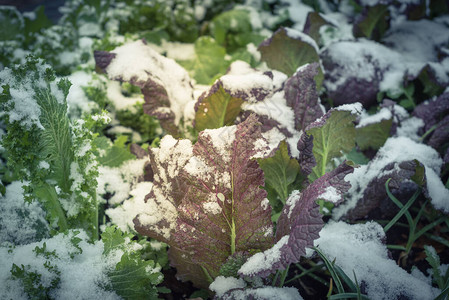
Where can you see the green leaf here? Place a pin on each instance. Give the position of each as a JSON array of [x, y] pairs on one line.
[[373, 22], [38, 23], [333, 134], [232, 30], [113, 238], [134, 278], [373, 135], [117, 154], [286, 54], [209, 62], [280, 172], [313, 24], [216, 109], [11, 19], [434, 260]]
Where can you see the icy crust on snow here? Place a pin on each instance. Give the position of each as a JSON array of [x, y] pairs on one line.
[[160, 208], [360, 248], [80, 278], [139, 62], [397, 150], [20, 222], [233, 288]]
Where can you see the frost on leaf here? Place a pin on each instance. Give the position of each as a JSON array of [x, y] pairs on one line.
[[299, 224], [213, 195], [165, 84]]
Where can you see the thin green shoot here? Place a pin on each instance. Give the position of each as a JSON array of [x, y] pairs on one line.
[[332, 271], [305, 272], [403, 210]]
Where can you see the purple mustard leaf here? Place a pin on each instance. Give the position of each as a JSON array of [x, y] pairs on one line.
[[299, 224], [165, 84], [375, 199], [203, 197], [103, 59], [306, 158], [301, 95], [224, 193], [432, 111]]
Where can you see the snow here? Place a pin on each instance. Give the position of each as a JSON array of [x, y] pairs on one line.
[[140, 62], [212, 207], [232, 288], [223, 284], [123, 215], [397, 149], [330, 194], [275, 107], [299, 35], [80, 278], [175, 154], [222, 140], [25, 108], [20, 222], [119, 181], [263, 260], [77, 99], [359, 248], [354, 108], [120, 102]]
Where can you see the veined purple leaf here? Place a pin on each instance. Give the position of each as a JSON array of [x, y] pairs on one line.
[[375, 196], [299, 224], [434, 113], [211, 196], [301, 95], [165, 84]]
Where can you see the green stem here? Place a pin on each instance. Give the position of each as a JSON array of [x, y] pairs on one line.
[[49, 199], [233, 235]]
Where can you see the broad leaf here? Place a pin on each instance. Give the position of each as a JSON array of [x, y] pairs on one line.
[[165, 84], [333, 134], [299, 224], [287, 49], [301, 95], [280, 171], [223, 102], [116, 154], [216, 109], [209, 62], [373, 135], [313, 24], [232, 29], [375, 199], [218, 191], [373, 22]]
